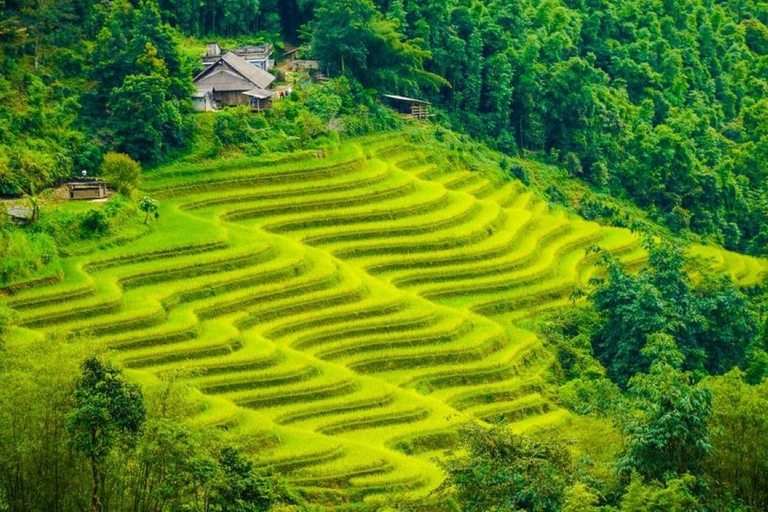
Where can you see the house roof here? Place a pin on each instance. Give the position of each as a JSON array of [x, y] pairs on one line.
[[258, 77], [259, 93], [201, 92], [406, 99]]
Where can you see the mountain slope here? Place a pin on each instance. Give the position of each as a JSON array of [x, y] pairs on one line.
[[347, 313]]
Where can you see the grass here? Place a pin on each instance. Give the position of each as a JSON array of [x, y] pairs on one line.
[[342, 316]]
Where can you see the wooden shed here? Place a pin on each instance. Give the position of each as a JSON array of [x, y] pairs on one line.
[[230, 77], [410, 108], [87, 189]]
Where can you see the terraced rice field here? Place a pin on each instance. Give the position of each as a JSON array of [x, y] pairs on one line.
[[347, 313]]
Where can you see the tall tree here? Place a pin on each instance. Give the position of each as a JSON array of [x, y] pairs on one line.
[[667, 433], [493, 469], [108, 410]]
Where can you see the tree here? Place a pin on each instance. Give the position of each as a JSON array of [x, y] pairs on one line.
[[667, 433], [239, 488], [341, 32], [142, 83], [676, 496], [144, 119], [493, 469], [352, 36], [38, 468], [711, 322], [148, 206], [108, 410], [121, 171], [738, 462]]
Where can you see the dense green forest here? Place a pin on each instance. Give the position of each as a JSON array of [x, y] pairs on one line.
[[658, 102], [660, 105]]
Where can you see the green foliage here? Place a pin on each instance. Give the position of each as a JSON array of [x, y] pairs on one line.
[[8, 318], [237, 127], [149, 206], [667, 434], [677, 495], [712, 322], [142, 84], [580, 498], [738, 461], [144, 118], [38, 469], [353, 37], [493, 469], [239, 488], [108, 411], [757, 369], [95, 222], [122, 172], [23, 255]]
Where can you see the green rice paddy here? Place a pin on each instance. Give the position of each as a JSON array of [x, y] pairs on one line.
[[347, 313]]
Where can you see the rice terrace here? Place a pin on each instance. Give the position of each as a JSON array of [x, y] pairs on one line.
[[348, 313]]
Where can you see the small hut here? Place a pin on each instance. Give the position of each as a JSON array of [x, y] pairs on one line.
[[410, 108], [87, 189]]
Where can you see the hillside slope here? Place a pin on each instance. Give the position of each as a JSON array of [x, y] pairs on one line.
[[344, 313]]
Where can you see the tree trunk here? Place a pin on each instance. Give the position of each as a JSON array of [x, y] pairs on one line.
[[37, 49], [95, 489], [95, 505]]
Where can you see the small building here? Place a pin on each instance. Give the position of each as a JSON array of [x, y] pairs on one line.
[[410, 108], [87, 189], [257, 55], [202, 100], [230, 77]]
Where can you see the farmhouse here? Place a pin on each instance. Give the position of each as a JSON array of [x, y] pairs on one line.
[[410, 108], [231, 80], [256, 55]]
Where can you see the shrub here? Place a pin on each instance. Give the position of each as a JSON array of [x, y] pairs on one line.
[[121, 171], [95, 222], [22, 255], [518, 172], [556, 195]]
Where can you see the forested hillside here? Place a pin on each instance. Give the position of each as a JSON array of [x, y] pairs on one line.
[[657, 101]]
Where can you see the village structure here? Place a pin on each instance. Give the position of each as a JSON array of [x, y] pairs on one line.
[[242, 77], [87, 188], [239, 77], [257, 55], [409, 108]]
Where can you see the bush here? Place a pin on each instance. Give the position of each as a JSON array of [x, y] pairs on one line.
[[22, 255], [122, 172], [556, 195], [95, 222], [518, 172]]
